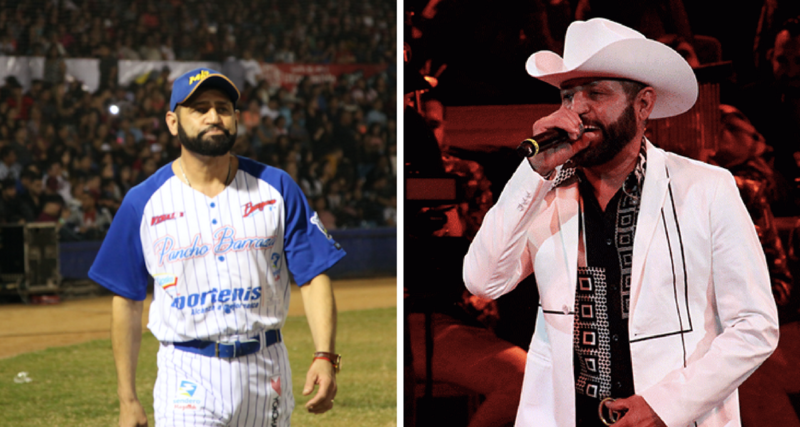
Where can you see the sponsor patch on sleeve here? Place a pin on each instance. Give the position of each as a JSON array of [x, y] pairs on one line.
[[316, 221]]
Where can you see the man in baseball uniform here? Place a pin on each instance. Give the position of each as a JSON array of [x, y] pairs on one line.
[[219, 235]]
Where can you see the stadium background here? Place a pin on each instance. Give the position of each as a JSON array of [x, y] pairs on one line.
[[82, 106]]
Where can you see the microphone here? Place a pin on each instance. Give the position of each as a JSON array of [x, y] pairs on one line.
[[533, 145]]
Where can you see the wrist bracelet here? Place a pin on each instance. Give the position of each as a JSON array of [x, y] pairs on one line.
[[333, 358]]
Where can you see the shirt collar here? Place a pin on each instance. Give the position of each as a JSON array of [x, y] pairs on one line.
[[633, 183]]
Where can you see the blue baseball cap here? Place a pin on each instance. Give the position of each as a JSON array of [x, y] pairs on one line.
[[184, 86]]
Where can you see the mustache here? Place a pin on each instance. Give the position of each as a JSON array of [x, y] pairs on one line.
[[592, 124], [212, 127]]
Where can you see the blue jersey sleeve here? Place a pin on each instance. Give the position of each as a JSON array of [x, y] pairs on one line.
[[309, 248], [119, 265]]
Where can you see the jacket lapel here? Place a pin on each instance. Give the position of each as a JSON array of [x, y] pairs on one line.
[[654, 195]]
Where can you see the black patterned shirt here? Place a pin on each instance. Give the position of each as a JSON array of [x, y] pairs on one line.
[[602, 299]]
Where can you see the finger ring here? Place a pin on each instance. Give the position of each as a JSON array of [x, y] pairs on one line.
[[613, 415]]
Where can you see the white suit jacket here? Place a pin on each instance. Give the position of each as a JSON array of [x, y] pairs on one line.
[[702, 315]]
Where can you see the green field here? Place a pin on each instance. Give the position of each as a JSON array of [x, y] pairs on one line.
[[76, 385]]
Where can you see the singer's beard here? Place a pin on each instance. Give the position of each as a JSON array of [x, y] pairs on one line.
[[616, 136], [214, 146]]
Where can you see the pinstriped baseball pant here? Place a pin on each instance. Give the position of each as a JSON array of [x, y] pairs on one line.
[[248, 391]]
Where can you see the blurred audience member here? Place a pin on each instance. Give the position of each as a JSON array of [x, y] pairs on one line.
[[55, 68], [773, 106], [21, 144], [93, 221], [741, 148], [9, 166], [52, 204], [62, 184], [466, 217], [773, 14], [31, 202], [17, 100], [11, 211]]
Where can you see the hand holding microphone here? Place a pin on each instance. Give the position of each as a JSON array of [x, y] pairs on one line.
[[543, 141], [558, 138]]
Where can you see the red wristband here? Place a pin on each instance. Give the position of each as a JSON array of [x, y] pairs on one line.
[[333, 358]]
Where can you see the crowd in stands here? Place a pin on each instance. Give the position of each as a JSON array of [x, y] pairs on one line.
[[304, 31], [68, 155]]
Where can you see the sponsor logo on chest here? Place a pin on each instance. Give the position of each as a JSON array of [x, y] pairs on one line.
[[250, 208], [225, 300], [158, 219], [225, 241]]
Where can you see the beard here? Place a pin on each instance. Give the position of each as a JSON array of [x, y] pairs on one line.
[[615, 137], [214, 146]]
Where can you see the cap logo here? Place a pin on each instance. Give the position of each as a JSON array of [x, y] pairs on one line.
[[198, 77]]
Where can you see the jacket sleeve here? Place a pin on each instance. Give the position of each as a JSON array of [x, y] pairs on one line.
[[498, 257], [746, 313]]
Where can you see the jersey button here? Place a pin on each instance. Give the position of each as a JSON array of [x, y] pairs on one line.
[[213, 221], [221, 258], [212, 204]]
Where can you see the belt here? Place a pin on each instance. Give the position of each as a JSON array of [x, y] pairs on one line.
[[232, 348]]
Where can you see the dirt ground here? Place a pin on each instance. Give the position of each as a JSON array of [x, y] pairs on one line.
[[26, 328]]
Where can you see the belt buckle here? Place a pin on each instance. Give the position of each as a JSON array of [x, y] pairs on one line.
[[216, 349], [613, 416]]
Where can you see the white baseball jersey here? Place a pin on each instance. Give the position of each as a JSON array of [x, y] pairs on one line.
[[219, 264], [220, 267]]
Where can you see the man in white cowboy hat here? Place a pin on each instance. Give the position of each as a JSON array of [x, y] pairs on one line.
[[655, 299]]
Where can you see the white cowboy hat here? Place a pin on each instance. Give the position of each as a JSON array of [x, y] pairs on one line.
[[602, 48]]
